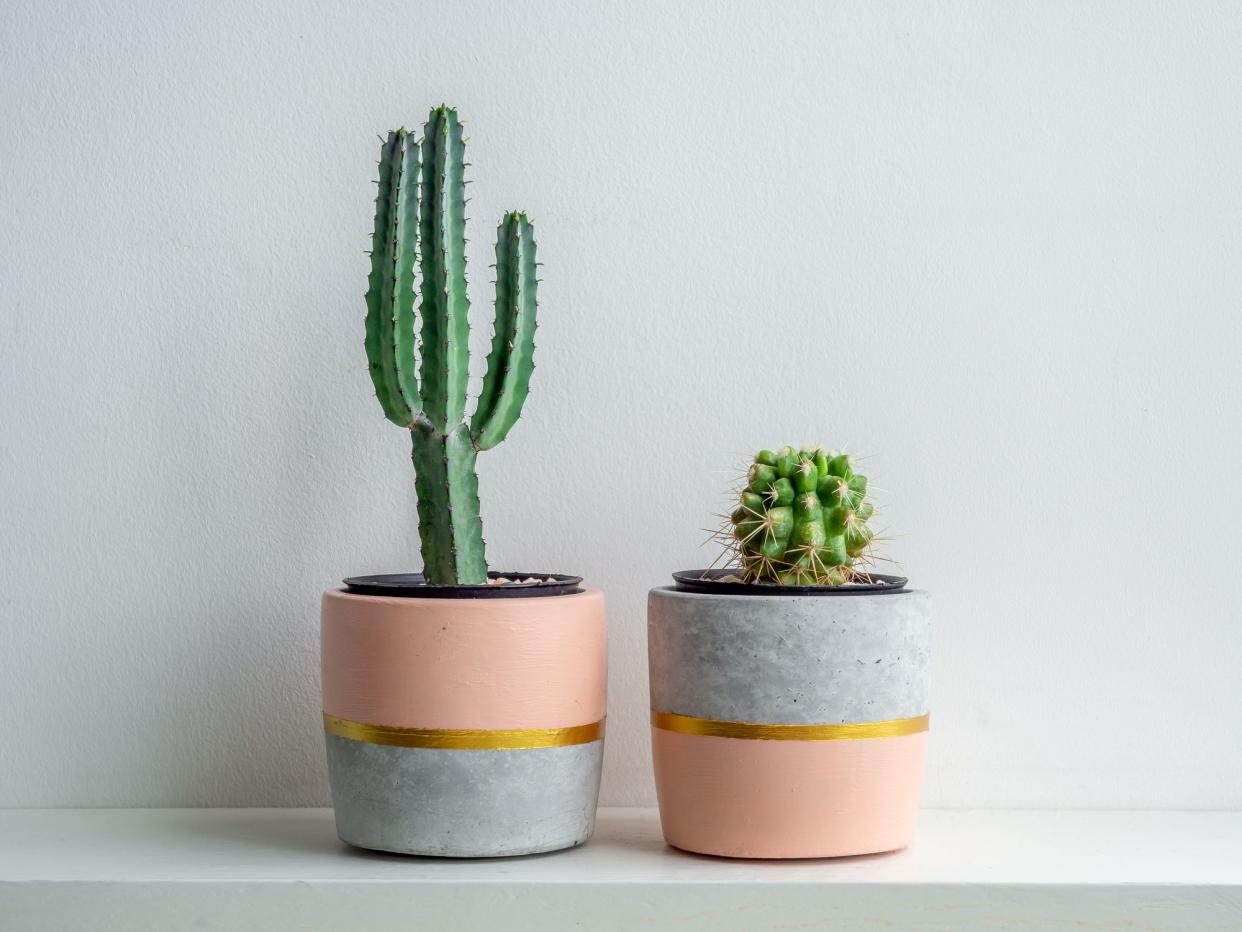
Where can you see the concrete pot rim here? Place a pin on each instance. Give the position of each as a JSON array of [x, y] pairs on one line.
[[708, 582], [778, 597]]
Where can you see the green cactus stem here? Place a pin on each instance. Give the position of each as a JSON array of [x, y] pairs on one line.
[[802, 519], [512, 357], [420, 225]]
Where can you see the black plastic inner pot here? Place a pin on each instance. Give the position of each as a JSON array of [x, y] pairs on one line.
[[712, 581], [414, 586]]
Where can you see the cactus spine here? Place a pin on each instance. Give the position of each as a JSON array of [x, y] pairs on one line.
[[420, 227], [801, 520]]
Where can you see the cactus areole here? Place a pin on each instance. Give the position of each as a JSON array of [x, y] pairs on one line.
[[419, 245]]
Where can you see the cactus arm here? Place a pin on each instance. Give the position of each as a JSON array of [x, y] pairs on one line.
[[449, 526], [392, 250], [445, 307], [503, 328], [511, 360]]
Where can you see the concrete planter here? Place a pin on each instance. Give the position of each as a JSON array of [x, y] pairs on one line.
[[788, 726], [464, 727]]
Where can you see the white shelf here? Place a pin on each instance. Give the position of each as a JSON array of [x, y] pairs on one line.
[[273, 869]]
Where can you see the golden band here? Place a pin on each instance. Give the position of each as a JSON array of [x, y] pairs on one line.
[[687, 725], [464, 739]]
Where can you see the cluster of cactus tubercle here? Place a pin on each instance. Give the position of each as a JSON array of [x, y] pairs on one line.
[[802, 519], [420, 238]]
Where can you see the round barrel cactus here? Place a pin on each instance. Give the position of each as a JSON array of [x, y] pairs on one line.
[[802, 519]]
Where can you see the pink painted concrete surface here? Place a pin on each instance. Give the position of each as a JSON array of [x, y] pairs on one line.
[[787, 799], [465, 663]]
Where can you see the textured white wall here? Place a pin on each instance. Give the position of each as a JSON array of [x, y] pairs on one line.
[[994, 246]]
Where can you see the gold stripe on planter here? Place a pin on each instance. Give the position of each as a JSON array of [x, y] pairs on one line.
[[464, 739], [688, 725]]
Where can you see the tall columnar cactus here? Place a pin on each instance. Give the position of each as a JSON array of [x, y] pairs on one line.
[[420, 234], [802, 519]]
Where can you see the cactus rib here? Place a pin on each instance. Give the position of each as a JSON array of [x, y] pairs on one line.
[[406, 233]]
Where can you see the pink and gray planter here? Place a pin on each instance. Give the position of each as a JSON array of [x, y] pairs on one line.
[[788, 726], [464, 727]]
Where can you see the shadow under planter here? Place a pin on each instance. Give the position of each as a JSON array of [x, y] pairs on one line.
[[788, 726], [464, 727]]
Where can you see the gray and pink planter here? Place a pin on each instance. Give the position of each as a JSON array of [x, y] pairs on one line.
[[464, 727], [788, 726]]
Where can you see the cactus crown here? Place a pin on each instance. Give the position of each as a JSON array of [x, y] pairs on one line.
[[420, 243], [801, 520]]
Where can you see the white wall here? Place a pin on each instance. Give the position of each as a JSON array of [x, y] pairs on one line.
[[995, 247]]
